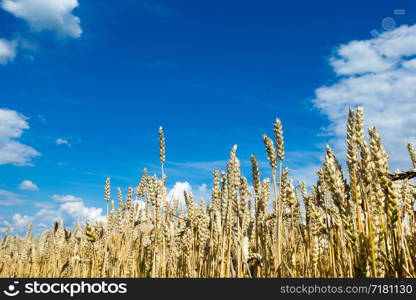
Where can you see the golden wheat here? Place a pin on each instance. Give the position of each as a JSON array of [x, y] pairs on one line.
[[363, 226]]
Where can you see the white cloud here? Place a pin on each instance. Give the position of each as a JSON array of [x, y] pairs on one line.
[[177, 192], [141, 205], [74, 207], [16, 153], [12, 125], [375, 55], [66, 198], [72, 210], [21, 222], [28, 185], [380, 75], [54, 15], [61, 141], [79, 211], [7, 51]]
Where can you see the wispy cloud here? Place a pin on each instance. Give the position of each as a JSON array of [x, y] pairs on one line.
[[205, 166], [66, 198], [42, 119], [106, 175], [9, 199], [4, 225], [44, 204], [61, 141]]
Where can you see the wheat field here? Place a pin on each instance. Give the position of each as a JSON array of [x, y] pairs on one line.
[[360, 223]]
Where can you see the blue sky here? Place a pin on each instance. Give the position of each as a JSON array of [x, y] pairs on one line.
[[213, 74]]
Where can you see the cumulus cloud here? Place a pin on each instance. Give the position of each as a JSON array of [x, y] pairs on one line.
[[78, 211], [380, 75], [28, 185], [72, 209], [21, 222], [7, 51], [56, 15], [375, 55], [177, 192], [61, 141], [66, 198], [13, 152]]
